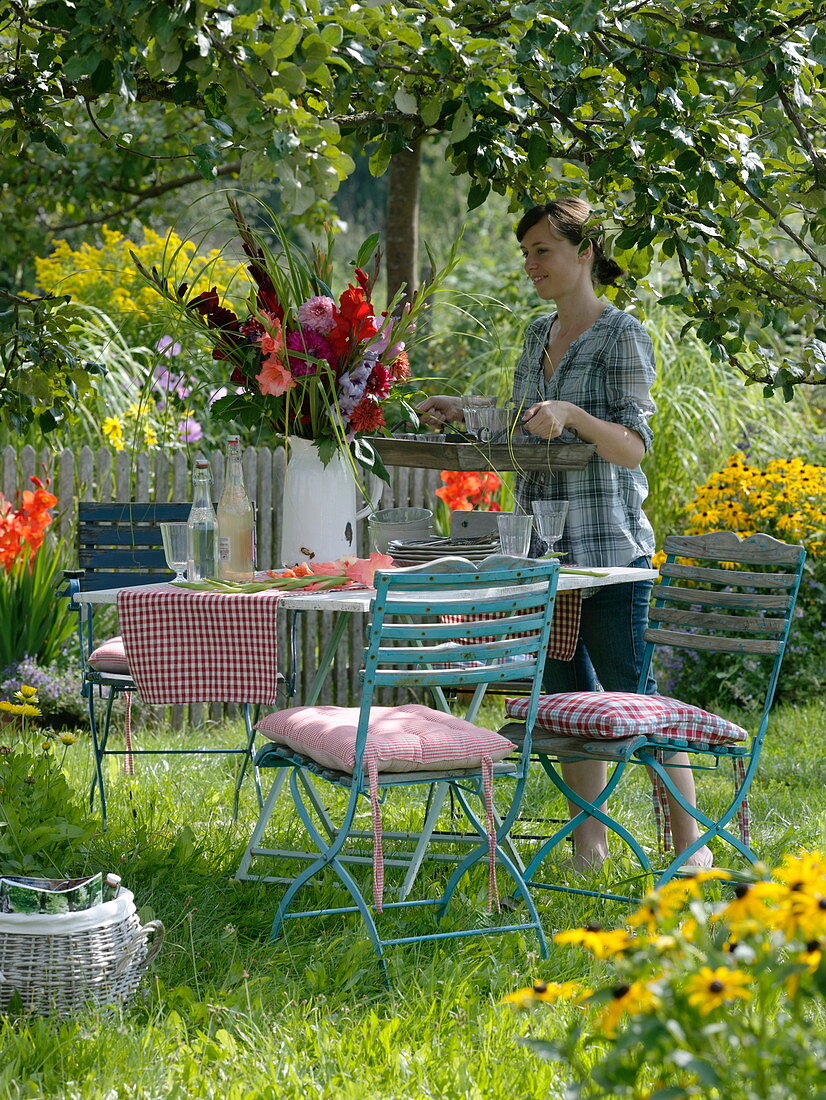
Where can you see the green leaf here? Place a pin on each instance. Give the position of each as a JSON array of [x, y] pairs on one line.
[[380, 158], [206, 158], [537, 150], [53, 142], [103, 78], [430, 109], [367, 249], [406, 101], [477, 193], [462, 123], [223, 128]]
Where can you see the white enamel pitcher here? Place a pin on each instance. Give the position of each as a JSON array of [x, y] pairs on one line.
[[319, 513]]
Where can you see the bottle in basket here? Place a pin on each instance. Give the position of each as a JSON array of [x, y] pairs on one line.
[[202, 526], [235, 521], [111, 886]]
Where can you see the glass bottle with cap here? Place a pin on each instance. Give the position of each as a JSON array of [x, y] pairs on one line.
[[202, 525], [235, 521]]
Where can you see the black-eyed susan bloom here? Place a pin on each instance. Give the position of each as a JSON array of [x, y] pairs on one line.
[[634, 999], [753, 907], [545, 993], [602, 943], [711, 988], [658, 907]]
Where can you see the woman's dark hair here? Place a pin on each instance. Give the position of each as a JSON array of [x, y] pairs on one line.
[[569, 217]]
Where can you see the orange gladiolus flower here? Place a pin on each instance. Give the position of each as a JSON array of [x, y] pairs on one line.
[[463, 491], [22, 531]]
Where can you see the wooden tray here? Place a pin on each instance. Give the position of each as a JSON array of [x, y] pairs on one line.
[[428, 455]]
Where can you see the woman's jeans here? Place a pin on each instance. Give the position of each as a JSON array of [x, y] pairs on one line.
[[610, 647]]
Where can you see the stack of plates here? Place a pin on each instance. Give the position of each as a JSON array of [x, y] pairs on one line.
[[427, 550]]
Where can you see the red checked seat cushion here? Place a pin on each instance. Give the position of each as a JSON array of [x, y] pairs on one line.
[[614, 714], [400, 739], [110, 656]]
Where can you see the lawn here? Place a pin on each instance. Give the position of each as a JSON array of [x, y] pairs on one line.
[[225, 1013]]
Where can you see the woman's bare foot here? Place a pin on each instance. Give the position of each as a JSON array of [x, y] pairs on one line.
[[702, 860], [589, 860]]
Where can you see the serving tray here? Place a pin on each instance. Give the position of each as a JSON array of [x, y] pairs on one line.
[[448, 455]]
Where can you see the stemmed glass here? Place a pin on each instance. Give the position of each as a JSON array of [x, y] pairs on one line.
[[176, 547], [550, 518]]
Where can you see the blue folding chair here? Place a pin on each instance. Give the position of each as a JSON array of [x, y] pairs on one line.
[[719, 594], [368, 750], [119, 544]]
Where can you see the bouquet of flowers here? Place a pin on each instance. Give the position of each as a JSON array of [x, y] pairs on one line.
[[300, 360]]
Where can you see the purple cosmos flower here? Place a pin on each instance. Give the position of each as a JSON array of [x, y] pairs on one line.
[[166, 383], [168, 347], [190, 430]]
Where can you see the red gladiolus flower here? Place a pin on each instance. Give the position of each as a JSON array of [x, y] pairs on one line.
[[353, 322]]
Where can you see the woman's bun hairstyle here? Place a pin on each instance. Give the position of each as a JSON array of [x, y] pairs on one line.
[[568, 216]]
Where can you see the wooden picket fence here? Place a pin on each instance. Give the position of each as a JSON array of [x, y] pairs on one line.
[[104, 475]]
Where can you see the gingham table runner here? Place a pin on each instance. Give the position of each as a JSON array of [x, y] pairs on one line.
[[564, 627], [188, 647]]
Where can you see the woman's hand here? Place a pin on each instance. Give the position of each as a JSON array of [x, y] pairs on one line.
[[614, 442], [547, 419], [440, 409]]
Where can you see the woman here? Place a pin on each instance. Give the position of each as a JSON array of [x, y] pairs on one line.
[[585, 374]]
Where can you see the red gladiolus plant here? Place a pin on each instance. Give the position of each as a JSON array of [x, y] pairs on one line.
[[304, 362], [22, 530], [463, 491]]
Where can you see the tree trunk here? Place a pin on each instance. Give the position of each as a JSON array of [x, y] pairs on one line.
[[402, 232]]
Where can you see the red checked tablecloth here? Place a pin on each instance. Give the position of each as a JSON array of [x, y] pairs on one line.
[[564, 627], [187, 647]]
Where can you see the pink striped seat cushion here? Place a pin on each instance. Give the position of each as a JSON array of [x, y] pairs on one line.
[[110, 656], [400, 739], [408, 738], [613, 714]]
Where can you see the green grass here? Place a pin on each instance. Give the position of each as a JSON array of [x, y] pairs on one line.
[[227, 1014]]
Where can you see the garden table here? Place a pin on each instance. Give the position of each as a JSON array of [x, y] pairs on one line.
[[259, 626]]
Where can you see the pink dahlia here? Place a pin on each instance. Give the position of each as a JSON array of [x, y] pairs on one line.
[[309, 342], [316, 314]]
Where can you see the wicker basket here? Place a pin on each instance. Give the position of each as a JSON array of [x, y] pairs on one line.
[[65, 963]]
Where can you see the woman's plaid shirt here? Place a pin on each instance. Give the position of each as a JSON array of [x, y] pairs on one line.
[[607, 371]]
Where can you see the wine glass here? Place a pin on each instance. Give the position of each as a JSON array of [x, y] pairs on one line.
[[550, 518], [176, 547]]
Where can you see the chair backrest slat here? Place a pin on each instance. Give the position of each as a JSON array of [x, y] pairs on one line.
[[704, 597], [726, 576], [714, 643], [707, 620], [758, 549]]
